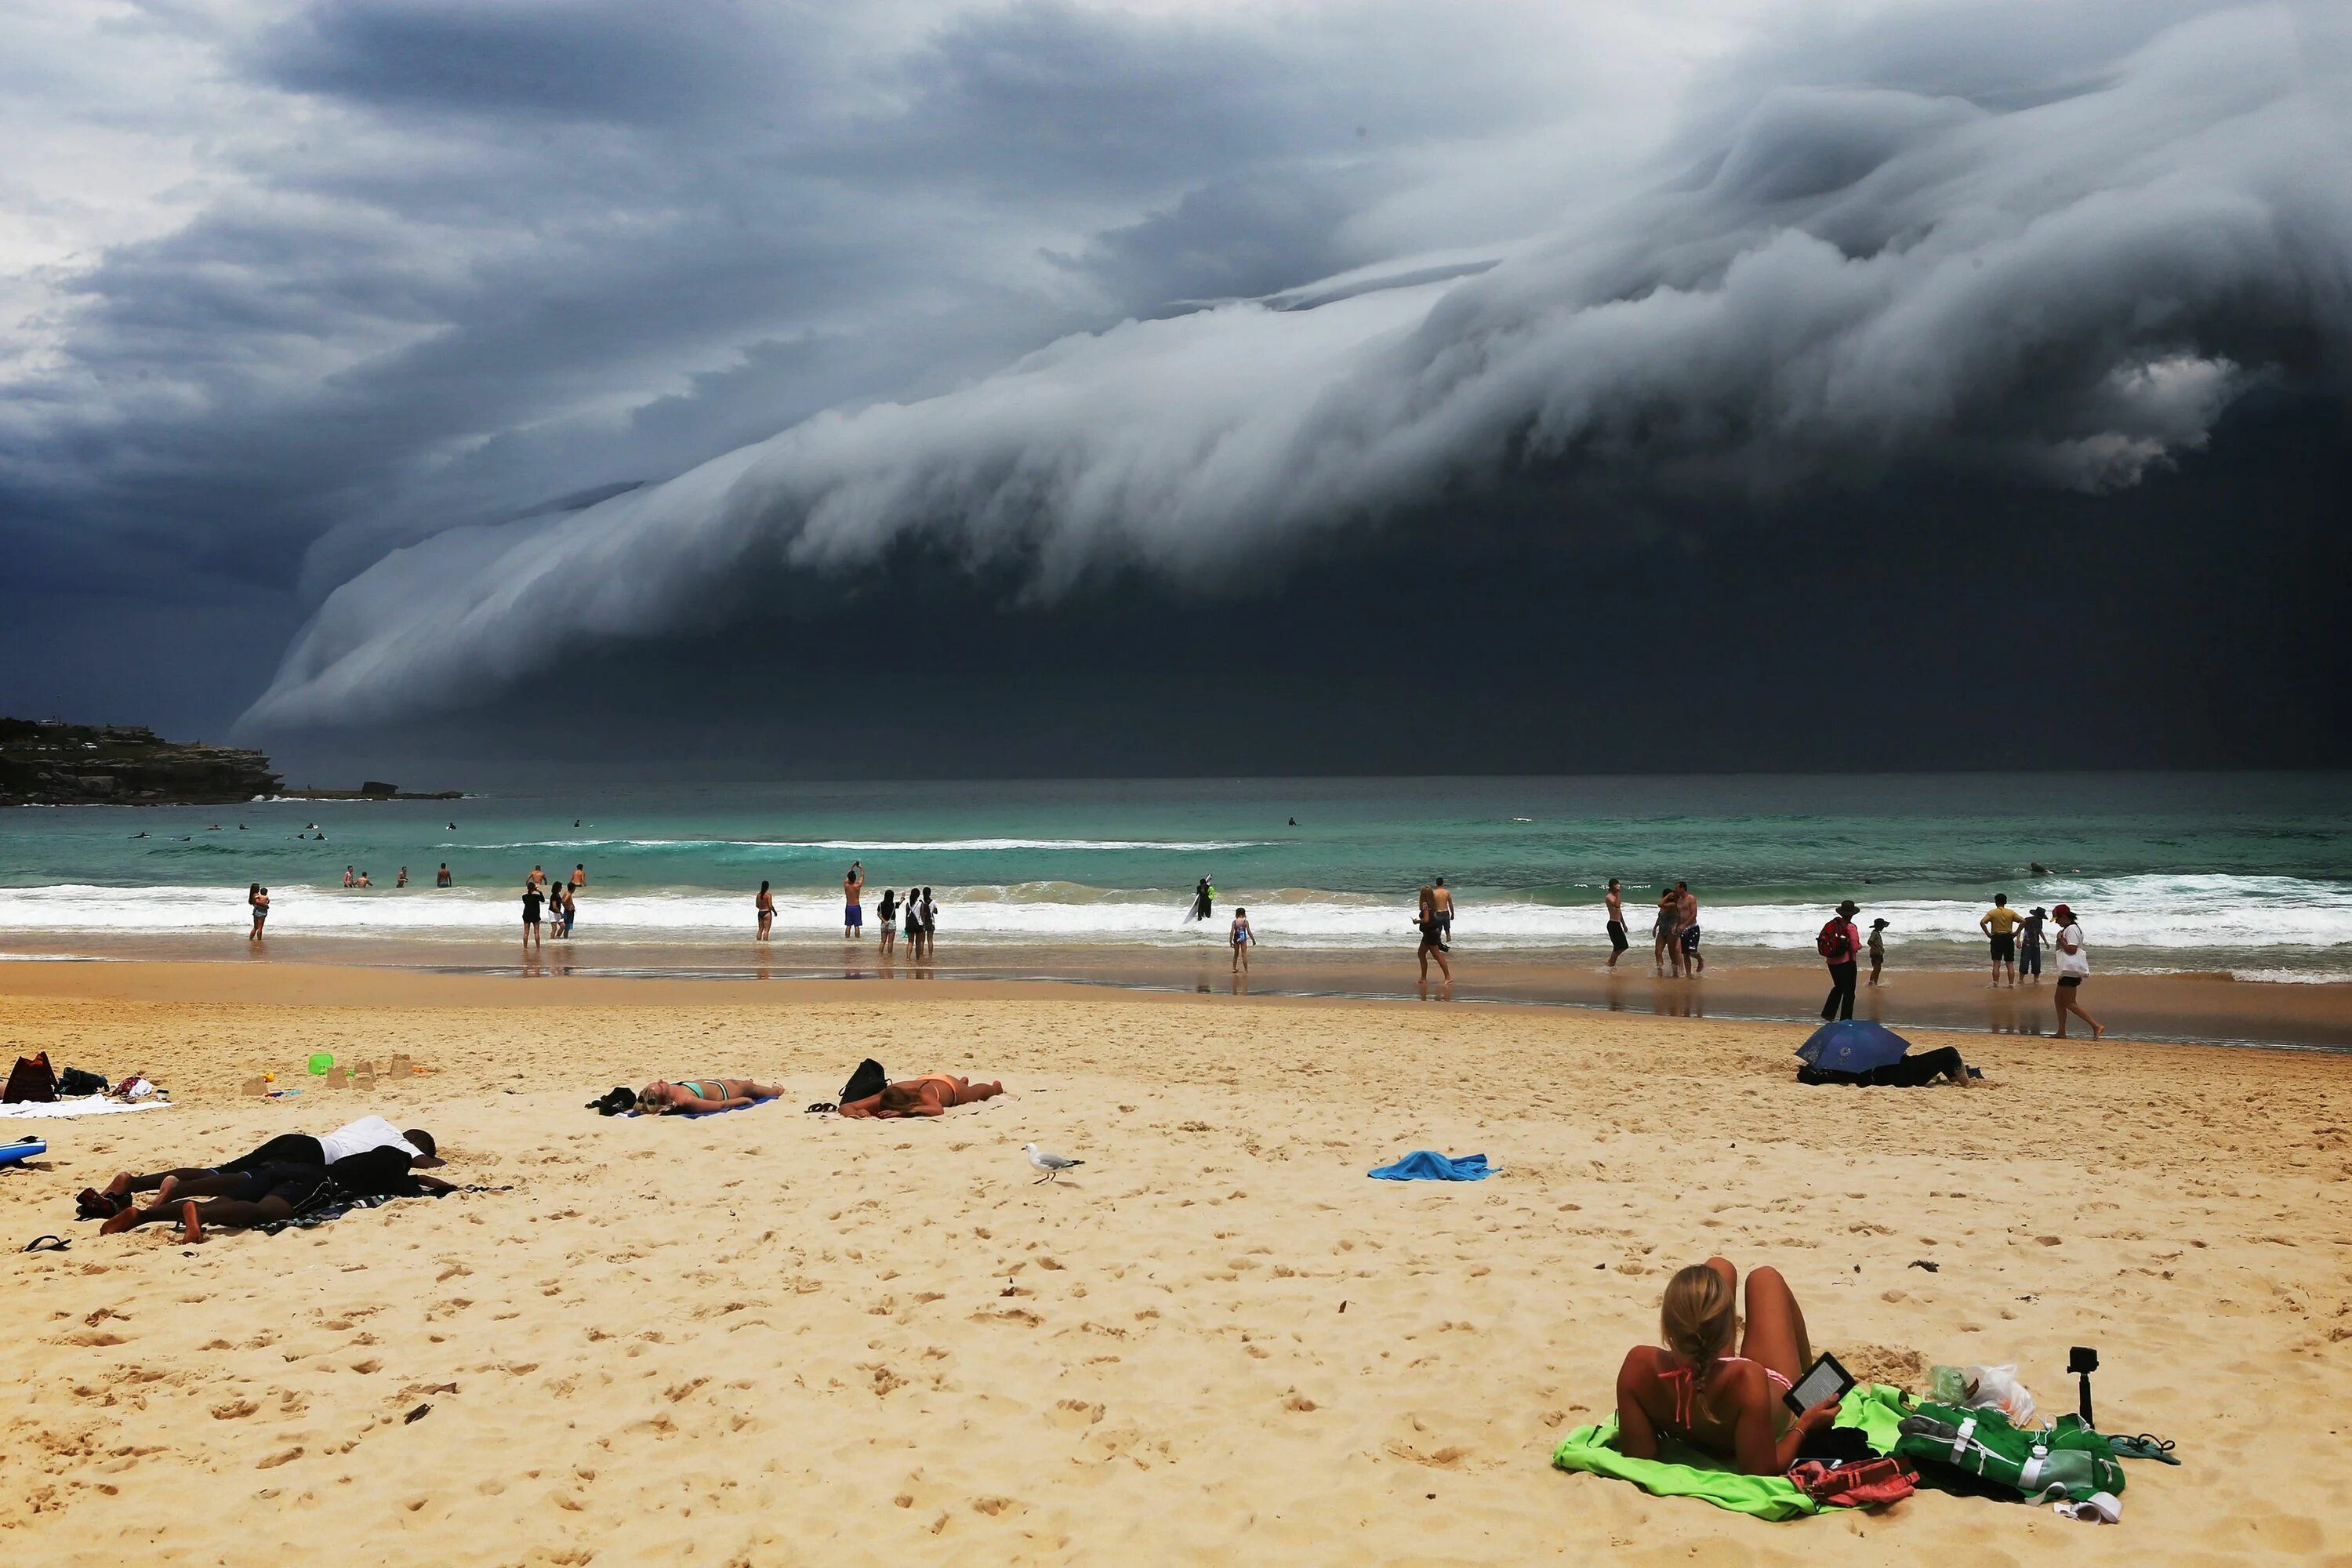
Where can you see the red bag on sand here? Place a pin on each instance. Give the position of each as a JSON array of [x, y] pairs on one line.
[[33, 1078], [1872, 1483]]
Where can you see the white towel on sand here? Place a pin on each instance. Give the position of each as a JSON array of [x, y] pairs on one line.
[[95, 1105]]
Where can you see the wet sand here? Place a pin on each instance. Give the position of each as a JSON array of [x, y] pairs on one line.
[[2209, 1008], [772, 1338]]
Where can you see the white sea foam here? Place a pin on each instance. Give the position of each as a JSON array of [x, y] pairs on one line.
[[886, 846], [2251, 925], [2293, 976]]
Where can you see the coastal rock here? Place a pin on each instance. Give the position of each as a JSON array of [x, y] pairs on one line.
[[55, 763]]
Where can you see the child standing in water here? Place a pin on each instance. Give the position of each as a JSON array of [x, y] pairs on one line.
[[1241, 937], [1877, 945]]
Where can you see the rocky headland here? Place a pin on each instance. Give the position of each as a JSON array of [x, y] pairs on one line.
[[52, 763]]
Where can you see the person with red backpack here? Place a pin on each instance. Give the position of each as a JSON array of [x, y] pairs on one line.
[[1840, 945]]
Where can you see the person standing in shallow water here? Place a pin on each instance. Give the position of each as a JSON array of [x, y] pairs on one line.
[[1241, 937], [764, 905], [1877, 948], [1668, 954], [853, 893], [1615, 904], [1441, 903], [888, 910], [2029, 944], [257, 897], [1433, 942], [1999, 925]]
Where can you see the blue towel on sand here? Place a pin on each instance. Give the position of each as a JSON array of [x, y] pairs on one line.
[[1429, 1165]]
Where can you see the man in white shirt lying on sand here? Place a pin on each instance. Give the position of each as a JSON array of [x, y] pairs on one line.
[[287, 1149]]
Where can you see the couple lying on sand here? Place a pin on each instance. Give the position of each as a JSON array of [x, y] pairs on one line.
[[288, 1175], [932, 1094]]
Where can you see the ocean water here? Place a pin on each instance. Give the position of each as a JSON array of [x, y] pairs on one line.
[[2248, 874]]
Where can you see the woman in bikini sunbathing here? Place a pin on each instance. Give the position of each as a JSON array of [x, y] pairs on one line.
[[692, 1095], [931, 1095], [1694, 1389]]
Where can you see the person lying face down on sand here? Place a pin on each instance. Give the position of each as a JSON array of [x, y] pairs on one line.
[[1694, 1389], [933, 1094], [691, 1094], [352, 1138], [275, 1193]]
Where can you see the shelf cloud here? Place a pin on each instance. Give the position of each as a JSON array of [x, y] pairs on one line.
[[462, 335], [2063, 268]]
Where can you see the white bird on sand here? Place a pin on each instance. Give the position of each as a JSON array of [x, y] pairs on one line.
[[1052, 1164]]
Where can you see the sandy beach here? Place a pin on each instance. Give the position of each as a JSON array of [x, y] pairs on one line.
[[776, 1338]]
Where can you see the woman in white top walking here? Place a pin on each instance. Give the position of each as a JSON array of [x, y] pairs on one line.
[[2074, 968]]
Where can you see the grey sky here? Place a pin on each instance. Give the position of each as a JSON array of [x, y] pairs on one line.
[[335, 308]]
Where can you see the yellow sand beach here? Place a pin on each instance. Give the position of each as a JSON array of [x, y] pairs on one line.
[[775, 1338]]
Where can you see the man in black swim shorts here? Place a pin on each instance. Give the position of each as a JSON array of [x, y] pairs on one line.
[[332, 1149], [275, 1193]]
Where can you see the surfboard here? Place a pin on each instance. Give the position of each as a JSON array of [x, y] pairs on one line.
[[31, 1148]]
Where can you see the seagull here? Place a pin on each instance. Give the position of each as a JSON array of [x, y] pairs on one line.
[[1052, 1164]]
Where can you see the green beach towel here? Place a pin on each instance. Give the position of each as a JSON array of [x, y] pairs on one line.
[[1875, 1409]]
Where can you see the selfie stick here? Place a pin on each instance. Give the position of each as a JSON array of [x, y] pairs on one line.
[[2082, 1363]]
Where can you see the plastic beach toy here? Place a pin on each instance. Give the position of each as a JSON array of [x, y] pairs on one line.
[[320, 1062]]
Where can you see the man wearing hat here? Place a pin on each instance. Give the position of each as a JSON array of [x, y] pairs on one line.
[[2028, 944], [1841, 949]]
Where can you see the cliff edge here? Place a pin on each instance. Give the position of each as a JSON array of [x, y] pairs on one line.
[[44, 763]]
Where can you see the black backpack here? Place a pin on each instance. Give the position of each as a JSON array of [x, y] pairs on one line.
[[868, 1081], [616, 1101], [75, 1082]]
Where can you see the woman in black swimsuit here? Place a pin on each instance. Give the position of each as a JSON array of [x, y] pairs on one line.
[[1432, 940]]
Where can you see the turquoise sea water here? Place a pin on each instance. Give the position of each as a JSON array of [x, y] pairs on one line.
[[2247, 873]]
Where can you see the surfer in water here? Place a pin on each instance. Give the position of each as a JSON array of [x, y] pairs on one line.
[[1204, 900]]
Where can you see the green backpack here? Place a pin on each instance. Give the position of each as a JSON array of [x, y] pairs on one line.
[[2069, 1458]]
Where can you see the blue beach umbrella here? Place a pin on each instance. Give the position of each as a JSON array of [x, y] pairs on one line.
[[1852, 1045]]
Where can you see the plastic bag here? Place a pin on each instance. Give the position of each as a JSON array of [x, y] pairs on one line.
[[1979, 1387]]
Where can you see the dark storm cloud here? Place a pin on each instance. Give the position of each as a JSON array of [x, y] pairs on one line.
[[1890, 247], [576, 60], [439, 261]]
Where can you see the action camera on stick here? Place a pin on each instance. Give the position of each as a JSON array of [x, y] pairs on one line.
[[2082, 1361]]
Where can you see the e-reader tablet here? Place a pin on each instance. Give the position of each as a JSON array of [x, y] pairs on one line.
[[1825, 1380]]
